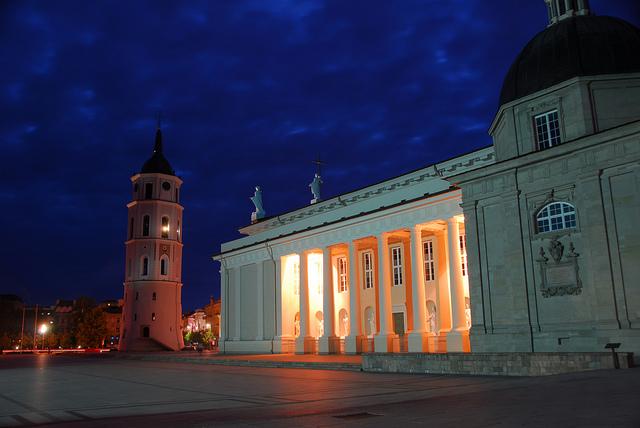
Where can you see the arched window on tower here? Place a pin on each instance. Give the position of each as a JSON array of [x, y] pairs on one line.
[[131, 229], [153, 316], [556, 216], [164, 266], [165, 227], [178, 233], [145, 266], [153, 297], [145, 225]]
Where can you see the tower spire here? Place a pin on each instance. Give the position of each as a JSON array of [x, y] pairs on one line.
[[157, 147]]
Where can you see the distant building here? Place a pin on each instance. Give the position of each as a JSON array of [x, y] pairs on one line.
[[112, 314], [152, 287], [212, 310]]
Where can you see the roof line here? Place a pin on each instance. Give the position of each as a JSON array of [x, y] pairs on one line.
[[372, 184], [329, 223]]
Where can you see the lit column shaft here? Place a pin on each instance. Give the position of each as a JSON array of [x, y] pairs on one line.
[[417, 281], [456, 284]]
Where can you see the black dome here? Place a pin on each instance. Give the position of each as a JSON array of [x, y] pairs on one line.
[[157, 163], [577, 46]]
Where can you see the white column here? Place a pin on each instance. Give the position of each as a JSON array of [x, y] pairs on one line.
[[278, 285], [458, 338], [383, 341], [418, 336], [223, 301], [260, 299], [353, 343], [327, 341], [236, 293], [304, 306]]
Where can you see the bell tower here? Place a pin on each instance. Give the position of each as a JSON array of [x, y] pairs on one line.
[[153, 273]]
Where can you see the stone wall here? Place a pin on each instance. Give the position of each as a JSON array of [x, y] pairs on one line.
[[501, 364]]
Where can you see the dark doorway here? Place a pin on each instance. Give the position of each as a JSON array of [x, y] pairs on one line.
[[398, 328], [145, 331], [398, 323]]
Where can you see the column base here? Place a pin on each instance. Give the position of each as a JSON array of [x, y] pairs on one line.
[[329, 345], [433, 343], [353, 344], [385, 342], [458, 341], [284, 345], [418, 342], [306, 345]]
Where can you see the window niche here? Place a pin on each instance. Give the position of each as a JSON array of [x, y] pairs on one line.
[[555, 232]]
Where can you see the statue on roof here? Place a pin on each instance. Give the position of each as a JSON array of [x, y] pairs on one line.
[[315, 188], [259, 213]]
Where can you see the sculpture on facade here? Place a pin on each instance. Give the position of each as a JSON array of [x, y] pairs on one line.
[[259, 213], [315, 188], [345, 324]]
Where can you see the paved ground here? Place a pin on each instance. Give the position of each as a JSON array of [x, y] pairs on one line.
[[103, 391]]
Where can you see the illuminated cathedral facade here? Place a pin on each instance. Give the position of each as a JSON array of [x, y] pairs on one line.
[[528, 245]]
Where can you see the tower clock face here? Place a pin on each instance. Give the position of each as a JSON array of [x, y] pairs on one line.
[[166, 186]]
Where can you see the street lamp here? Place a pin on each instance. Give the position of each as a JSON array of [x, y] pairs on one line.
[[43, 330]]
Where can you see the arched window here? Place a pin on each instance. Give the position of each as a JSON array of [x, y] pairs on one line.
[[131, 229], [137, 295], [164, 266], [178, 232], [145, 225], [153, 297], [145, 266], [153, 316], [165, 227], [556, 216]]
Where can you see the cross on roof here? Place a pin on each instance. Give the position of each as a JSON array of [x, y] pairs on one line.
[[319, 164]]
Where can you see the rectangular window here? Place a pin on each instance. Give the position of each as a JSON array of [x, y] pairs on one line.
[[547, 129], [148, 190], [463, 254], [342, 274], [396, 265], [145, 225], [367, 269], [165, 227], [296, 279], [429, 261]]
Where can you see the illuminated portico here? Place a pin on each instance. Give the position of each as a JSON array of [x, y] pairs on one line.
[[383, 277]]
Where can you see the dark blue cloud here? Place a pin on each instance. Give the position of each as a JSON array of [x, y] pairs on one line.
[[250, 91]]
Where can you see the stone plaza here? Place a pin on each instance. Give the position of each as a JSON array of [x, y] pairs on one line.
[[106, 390]]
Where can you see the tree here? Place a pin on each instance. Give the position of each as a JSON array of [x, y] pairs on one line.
[[91, 328]]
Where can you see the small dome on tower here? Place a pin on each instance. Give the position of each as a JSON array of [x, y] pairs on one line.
[[157, 163], [575, 46]]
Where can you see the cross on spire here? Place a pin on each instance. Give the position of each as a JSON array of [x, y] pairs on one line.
[[319, 164]]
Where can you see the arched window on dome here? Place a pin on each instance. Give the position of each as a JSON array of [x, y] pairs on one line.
[[556, 216]]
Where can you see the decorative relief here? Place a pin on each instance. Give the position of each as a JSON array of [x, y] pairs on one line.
[[560, 275]]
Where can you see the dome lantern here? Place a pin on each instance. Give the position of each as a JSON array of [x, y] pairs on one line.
[[562, 9]]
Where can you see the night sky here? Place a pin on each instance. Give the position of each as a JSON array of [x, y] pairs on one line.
[[250, 93]]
